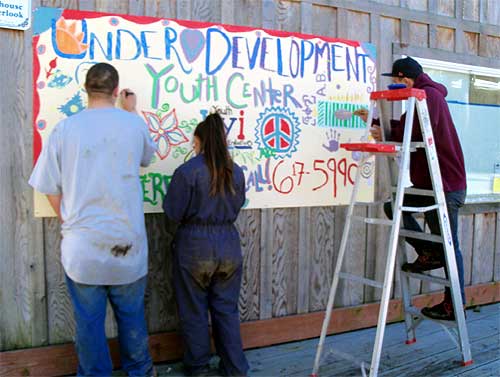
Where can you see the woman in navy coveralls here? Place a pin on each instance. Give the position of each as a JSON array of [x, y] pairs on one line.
[[204, 197]]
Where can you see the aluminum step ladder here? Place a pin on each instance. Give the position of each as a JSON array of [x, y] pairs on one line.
[[413, 317]]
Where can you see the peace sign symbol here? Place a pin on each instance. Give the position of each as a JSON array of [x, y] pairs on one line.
[[277, 132]]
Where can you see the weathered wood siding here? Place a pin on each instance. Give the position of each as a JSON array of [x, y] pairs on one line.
[[288, 253]]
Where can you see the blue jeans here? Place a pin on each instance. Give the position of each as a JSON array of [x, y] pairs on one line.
[[127, 301], [454, 200]]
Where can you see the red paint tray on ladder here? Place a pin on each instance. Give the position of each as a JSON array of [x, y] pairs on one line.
[[370, 147]]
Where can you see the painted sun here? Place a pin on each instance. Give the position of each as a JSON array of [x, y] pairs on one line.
[[69, 41]]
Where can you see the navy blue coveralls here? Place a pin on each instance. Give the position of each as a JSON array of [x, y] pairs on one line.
[[207, 265]]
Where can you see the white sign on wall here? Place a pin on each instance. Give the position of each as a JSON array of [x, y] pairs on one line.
[[15, 14], [287, 99]]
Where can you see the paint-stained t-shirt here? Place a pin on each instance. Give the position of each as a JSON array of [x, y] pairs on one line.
[[92, 159]]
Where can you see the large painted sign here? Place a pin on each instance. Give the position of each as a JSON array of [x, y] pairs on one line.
[[287, 99]]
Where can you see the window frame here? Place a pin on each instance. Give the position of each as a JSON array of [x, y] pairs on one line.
[[470, 70]]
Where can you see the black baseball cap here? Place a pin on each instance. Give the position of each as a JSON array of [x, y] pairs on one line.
[[406, 67]]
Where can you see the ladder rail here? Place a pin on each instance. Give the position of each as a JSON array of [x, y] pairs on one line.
[[393, 240], [348, 357], [426, 277], [338, 266], [410, 323], [421, 235]]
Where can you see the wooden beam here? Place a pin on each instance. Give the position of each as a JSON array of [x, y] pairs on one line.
[[39, 334], [227, 11], [304, 252], [405, 25], [410, 15], [433, 35], [184, 9], [459, 33], [437, 54], [61, 359], [266, 264], [266, 221], [473, 208], [23, 318], [496, 272]]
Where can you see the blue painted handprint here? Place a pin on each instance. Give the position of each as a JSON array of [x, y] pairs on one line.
[[333, 137]]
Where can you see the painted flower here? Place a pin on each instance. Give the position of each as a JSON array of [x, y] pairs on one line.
[[165, 132]]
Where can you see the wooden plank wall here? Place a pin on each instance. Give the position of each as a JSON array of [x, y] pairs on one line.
[[288, 253]]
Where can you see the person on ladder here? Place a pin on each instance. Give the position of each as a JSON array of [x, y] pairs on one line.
[[409, 72]]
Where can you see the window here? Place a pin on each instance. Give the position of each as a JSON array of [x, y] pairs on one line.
[[474, 102]]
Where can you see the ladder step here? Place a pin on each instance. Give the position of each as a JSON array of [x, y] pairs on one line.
[[360, 279], [372, 220], [413, 145], [416, 312], [420, 209], [414, 191], [420, 235], [397, 94], [389, 148], [428, 277], [418, 144], [372, 204]]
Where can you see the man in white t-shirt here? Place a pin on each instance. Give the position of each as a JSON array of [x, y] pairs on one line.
[[89, 170]]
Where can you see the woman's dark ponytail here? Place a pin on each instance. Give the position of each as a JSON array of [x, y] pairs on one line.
[[212, 135]]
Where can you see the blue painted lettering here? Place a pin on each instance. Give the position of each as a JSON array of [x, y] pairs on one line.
[[334, 58], [56, 47], [294, 46], [263, 53], [119, 37], [318, 54], [252, 57], [236, 52], [211, 33], [145, 45], [108, 54], [280, 58], [305, 55], [170, 38]]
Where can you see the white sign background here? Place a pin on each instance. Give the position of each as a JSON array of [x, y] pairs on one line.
[[287, 99]]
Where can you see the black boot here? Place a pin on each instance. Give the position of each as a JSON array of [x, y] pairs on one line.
[[425, 262], [442, 311]]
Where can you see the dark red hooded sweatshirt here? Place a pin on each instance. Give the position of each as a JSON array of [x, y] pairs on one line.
[[449, 151]]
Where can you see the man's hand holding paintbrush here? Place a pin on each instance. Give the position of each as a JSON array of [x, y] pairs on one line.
[[128, 100]]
